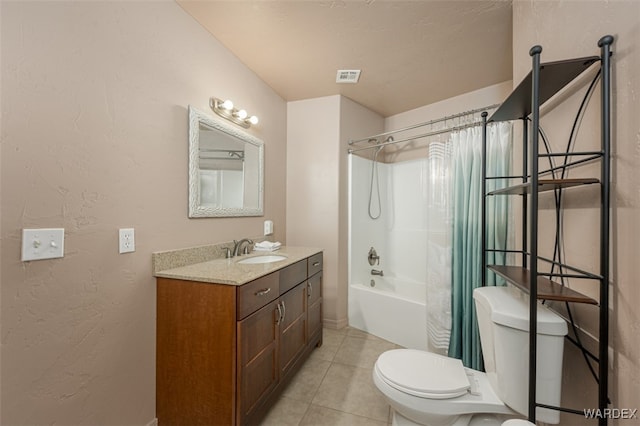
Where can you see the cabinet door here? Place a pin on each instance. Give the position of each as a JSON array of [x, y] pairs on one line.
[[258, 371], [314, 305], [293, 328]]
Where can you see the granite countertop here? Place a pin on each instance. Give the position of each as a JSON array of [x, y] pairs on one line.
[[229, 271]]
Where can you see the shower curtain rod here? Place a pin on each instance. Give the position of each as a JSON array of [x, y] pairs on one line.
[[427, 123], [412, 138]]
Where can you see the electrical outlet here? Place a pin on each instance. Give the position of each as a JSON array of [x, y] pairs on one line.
[[127, 240], [268, 227]]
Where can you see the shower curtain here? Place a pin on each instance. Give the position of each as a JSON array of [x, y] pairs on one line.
[[466, 255], [439, 215]]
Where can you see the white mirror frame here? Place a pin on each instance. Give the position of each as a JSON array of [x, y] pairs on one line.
[[195, 208]]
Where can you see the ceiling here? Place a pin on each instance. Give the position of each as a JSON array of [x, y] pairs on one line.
[[411, 53]]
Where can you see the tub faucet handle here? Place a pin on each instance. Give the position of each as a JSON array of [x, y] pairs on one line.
[[373, 257]]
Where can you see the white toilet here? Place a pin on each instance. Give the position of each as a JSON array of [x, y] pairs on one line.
[[424, 388]]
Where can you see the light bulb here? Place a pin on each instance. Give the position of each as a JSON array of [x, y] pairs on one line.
[[242, 114], [253, 120], [228, 105]]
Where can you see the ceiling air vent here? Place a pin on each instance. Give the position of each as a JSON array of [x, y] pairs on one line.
[[347, 76]]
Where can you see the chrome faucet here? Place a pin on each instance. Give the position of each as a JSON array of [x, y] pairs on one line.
[[377, 272], [237, 246]]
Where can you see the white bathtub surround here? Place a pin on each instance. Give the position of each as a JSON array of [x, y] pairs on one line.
[[395, 308]]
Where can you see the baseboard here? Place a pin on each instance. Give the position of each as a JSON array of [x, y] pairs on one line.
[[153, 422], [335, 324]]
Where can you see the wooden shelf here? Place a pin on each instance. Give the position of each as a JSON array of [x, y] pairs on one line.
[[543, 185], [547, 289], [553, 77]]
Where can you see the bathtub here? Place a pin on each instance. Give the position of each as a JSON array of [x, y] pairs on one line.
[[394, 310]]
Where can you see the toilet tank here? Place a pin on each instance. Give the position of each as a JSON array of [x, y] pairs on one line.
[[503, 320]]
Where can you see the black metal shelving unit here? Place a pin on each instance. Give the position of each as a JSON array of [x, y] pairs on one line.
[[542, 83]]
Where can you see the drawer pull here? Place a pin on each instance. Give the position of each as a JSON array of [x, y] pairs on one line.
[[263, 292], [316, 263]]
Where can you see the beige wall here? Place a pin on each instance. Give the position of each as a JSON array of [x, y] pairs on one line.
[[94, 138], [317, 134], [476, 99], [313, 131], [570, 30]]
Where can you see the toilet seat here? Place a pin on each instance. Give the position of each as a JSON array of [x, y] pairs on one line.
[[423, 374]]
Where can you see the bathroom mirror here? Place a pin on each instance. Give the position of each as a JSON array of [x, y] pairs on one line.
[[226, 169]]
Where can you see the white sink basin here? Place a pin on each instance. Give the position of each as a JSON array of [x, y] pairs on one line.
[[263, 259]]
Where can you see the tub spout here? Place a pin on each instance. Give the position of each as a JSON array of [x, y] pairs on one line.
[[377, 272]]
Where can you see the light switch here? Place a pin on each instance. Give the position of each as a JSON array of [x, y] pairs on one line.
[[45, 243]]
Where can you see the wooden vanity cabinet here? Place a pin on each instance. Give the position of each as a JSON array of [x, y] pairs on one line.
[[293, 326], [257, 358], [314, 297], [314, 305], [224, 353]]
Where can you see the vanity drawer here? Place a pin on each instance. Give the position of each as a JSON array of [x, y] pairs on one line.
[[315, 264], [292, 275], [254, 295]]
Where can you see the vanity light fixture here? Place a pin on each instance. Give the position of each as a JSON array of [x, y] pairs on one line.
[[227, 110]]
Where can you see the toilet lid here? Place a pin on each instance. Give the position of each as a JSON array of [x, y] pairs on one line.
[[423, 374]]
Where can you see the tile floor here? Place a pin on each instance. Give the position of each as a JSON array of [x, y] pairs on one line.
[[334, 387]]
